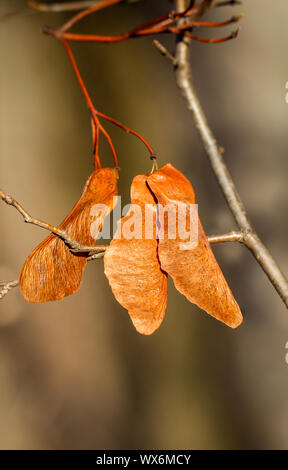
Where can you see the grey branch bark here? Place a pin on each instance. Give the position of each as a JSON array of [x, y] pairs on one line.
[[67, 6], [5, 287], [216, 160]]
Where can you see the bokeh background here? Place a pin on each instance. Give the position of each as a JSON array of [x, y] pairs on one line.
[[75, 374]]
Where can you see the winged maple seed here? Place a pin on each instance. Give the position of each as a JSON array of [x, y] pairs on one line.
[[195, 272], [51, 271], [132, 266]]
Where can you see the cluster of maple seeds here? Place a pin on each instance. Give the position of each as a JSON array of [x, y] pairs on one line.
[[137, 269]]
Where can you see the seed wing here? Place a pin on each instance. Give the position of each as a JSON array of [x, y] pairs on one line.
[[51, 271], [132, 266]]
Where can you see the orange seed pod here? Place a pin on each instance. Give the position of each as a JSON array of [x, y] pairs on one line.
[[51, 271], [131, 263]]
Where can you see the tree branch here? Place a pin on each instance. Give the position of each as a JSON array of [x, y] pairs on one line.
[[75, 246], [216, 160]]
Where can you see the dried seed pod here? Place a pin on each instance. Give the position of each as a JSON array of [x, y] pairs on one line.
[[131, 262], [195, 272], [51, 271]]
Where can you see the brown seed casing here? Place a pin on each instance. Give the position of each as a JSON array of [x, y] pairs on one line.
[[195, 272], [51, 271], [132, 266]]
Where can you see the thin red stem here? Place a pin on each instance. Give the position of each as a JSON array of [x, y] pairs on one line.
[[209, 24], [78, 75], [165, 20], [94, 38], [97, 146], [127, 129], [159, 24], [96, 125], [162, 20], [89, 101], [140, 31], [110, 143]]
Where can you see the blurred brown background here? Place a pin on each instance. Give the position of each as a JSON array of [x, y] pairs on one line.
[[75, 374]]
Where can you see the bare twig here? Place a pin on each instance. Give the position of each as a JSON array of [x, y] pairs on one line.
[[96, 256], [223, 238], [77, 247], [216, 160], [205, 5], [12, 14], [227, 237], [68, 6], [5, 287], [73, 244], [96, 7], [232, 35], [163, 51], [141, 32], [164, 24]]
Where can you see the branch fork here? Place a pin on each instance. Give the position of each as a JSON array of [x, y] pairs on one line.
[[180, 23]]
